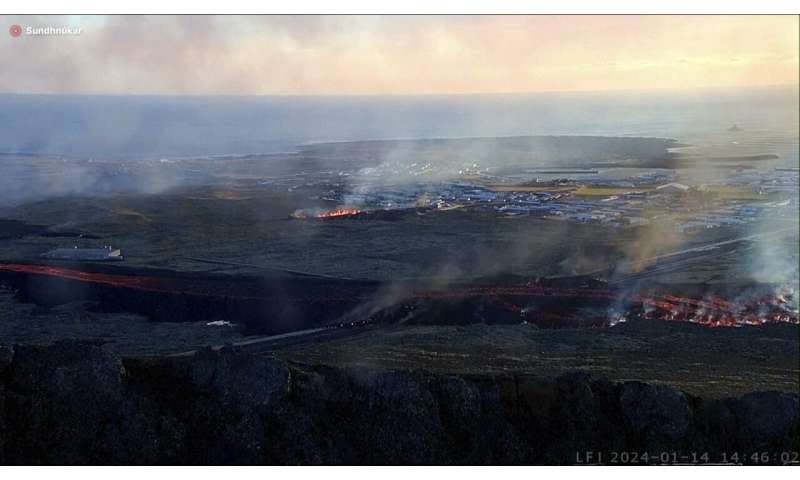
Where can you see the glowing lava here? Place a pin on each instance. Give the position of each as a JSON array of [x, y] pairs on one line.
[[319, 213], [552, 305], [339, 212], [198, 286], [126, 281], [715, 312]]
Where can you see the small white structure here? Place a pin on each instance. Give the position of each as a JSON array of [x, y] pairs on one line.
[[105, 254], [672, 188]]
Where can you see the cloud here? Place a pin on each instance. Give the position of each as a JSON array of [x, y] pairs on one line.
[[397, 54]]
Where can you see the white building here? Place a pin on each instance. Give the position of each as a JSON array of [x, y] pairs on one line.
[[672, 188]]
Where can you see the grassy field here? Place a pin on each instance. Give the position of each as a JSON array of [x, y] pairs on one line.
[[699, 360], [576, 190], [721, 192], [734, 192], [529, 188], [164, 229], [592, 191]]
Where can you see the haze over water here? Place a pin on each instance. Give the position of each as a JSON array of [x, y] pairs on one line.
[[161, 126]]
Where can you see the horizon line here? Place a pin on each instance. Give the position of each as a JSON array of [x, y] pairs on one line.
[[466, 94]]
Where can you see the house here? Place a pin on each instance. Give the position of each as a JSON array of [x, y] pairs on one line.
[[672, 188]]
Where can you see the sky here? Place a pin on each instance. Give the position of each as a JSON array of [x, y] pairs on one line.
[[371, 55]]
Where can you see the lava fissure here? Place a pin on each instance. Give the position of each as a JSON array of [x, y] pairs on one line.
[[547, 308]]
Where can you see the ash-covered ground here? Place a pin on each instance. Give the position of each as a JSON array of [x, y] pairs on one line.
[[695, 237], [124, 333], [592, 292], [691, 358]]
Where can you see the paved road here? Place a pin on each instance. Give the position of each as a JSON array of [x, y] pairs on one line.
[[260, 340], [670, 261]]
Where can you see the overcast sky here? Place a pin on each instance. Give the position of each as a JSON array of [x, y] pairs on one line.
[[396, 55]]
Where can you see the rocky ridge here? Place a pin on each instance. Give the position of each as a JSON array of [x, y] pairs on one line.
[[77, 403]]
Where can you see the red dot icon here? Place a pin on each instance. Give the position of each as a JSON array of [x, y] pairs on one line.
[[15, 31]]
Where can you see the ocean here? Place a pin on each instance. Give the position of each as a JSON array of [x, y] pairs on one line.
[[174, 126]]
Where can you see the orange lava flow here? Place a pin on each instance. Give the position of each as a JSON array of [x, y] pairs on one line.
[[714, 312], [339, 212], [709, 311], [528, 290], [169, 285], [152, 284]]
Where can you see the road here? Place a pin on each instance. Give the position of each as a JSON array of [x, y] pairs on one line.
[[658, 264], [260, 340]]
